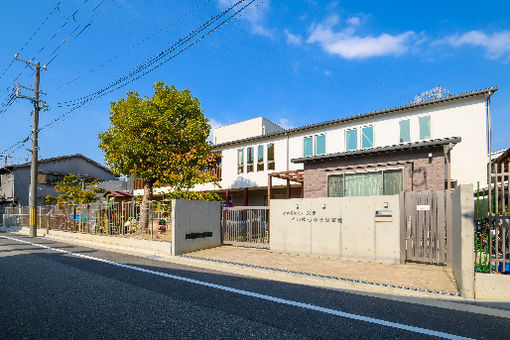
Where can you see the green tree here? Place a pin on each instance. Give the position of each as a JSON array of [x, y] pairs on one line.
[[73, 191], [161, 139]]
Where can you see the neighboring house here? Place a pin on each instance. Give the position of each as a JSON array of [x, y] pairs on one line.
[[15, 179], [413, 147]]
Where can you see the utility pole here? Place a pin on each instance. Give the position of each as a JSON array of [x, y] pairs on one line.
[[35, 132]]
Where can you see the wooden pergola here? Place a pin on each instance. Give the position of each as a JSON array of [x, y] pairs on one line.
[[290, 175]]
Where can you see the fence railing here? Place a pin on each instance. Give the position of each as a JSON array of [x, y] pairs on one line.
[[492, 243], [247, 226], [114, 219]]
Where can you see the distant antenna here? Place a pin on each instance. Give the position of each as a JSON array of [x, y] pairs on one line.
[[432, 94]]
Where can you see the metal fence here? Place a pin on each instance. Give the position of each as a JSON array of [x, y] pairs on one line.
[[114, 219], [492, 242], [245, 226]]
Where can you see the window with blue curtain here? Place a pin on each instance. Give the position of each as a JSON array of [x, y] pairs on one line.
[[367, 137], [351, 139], [405, 131], [425, 127], [320, 144], [307, 146]]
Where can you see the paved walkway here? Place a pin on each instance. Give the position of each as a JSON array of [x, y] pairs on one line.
[[436, 278]]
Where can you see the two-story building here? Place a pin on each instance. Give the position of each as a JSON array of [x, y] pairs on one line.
[[420, 146], [15, 179]]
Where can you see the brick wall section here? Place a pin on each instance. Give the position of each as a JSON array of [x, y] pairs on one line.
[[420, 172]]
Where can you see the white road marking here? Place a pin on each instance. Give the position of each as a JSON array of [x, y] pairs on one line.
[[256, 295]]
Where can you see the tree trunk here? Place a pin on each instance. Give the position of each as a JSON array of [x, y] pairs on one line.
[[147, 196]]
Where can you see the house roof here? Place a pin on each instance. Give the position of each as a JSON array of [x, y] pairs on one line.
[[503, 157], [381, 149], [117, 193], [487, 91], [55, 159]]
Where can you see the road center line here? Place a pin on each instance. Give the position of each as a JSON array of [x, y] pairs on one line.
[[255, 295]]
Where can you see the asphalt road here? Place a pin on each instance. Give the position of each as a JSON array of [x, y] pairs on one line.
[[49, 294]]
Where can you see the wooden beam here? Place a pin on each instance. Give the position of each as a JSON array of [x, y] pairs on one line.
[[288, 189], [245, 196], [269, 187]]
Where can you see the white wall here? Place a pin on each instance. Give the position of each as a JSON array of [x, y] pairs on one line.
[[311, 226], [463, 118], [245, 129]]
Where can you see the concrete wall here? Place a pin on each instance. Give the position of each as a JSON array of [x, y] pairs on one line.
[[344, 228], [492, 287], [191, 221], [461, 240]]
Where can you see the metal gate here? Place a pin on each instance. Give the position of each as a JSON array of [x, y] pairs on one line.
[[245, 226], [425, 226]]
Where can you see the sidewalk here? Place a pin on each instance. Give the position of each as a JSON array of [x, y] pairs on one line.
[[411, 275]]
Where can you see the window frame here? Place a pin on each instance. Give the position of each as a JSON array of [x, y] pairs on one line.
[[343, 174], [408, 120], [315, 137], [240, 165], [260, 161], [346, 139], [249, 165], [430, 126], [361, 136], [270, 162], [304, 139]]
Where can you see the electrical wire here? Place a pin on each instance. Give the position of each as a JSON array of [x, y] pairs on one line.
[[145, 67], [140, 69], [140, 42], [32, 36]]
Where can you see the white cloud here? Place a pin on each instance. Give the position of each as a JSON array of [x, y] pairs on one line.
[[354, 21], [292, 39], [497, 44], [286, 123], [346, 43], [255, 15], [214, 124]]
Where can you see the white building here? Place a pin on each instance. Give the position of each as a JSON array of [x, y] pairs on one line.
[[414, 143]]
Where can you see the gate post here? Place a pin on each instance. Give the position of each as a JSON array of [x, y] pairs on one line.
[[403, 228]]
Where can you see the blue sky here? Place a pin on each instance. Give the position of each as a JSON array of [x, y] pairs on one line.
[[293, 62]]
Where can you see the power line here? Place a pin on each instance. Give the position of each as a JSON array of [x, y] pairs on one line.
[[159, 31], [32, 36], [124, 80], [136, 74]]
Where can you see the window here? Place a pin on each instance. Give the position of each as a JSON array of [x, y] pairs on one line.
[[240, 161], [260, 158], [393, 182], [249, 159], [320, 144], [425, 127], [367, 137], [307, 146], [270, 156], [351, 139], [336, 186], [386, 182], [405, 131]]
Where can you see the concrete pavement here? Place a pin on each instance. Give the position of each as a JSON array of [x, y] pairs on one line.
[[49, 294]]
